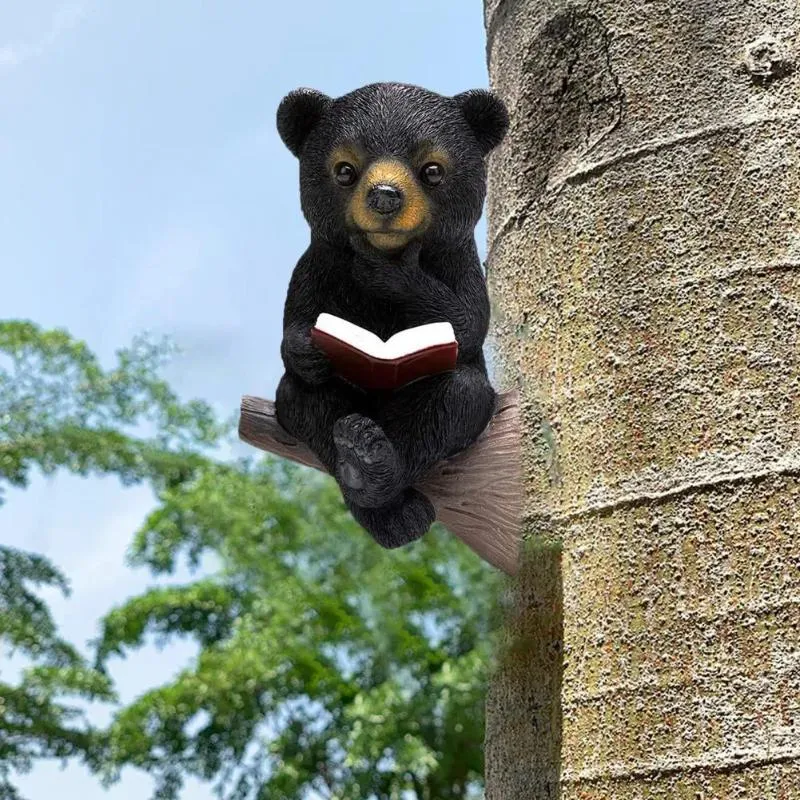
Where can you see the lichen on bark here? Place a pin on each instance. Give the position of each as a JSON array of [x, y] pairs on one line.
[[644, 264]]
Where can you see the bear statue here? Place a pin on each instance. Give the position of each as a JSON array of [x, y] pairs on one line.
[[392, 185]]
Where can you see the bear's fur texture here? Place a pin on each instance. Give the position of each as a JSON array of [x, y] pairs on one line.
[[391, 247]]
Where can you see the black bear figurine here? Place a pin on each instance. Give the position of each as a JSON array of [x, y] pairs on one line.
[[392, 184]]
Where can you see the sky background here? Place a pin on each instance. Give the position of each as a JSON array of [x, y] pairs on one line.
[[145, 188]]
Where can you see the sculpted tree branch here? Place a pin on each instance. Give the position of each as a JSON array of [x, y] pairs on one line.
[[476, 493]]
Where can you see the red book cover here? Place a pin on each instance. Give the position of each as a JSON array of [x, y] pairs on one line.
[[362, 358]]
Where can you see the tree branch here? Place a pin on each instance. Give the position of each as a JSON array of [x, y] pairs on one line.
[[477, 493]]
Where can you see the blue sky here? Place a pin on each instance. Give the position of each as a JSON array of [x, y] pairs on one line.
[[144, 187]]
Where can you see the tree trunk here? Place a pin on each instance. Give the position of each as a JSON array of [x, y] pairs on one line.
[[644, 260]]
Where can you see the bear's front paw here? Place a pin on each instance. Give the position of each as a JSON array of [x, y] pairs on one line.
[[385, 274], [313, 367], [398, 523], [305, 360], [368, 469]]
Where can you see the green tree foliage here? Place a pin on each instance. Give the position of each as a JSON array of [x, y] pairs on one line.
[[35, 718], [328, 667], [60, 410]]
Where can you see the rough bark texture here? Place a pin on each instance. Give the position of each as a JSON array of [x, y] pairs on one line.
[[644, 260]]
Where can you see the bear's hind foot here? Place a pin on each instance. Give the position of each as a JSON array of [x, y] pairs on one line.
[[368, 467], [399, 522]]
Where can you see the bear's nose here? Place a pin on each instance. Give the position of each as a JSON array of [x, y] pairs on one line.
[[385, 199]]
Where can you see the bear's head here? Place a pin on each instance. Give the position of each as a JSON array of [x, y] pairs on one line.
[[392, 162]]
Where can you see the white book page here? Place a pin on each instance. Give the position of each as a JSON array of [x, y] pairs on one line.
[[351, 333], [401, 344], [418, 338]]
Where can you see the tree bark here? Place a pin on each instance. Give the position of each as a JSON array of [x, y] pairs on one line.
[[644, 263]]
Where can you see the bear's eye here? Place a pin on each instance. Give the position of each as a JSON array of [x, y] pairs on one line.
[[432, 173], [345, 174]]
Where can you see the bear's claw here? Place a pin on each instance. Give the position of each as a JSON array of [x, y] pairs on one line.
[[368, 468]]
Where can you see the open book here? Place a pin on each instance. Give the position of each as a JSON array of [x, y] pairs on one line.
[[363, 358]]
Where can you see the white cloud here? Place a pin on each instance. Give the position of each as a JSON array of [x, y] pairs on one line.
[[63, 19]]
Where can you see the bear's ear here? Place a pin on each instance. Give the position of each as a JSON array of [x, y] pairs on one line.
[[487, 116], [298, 113]]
